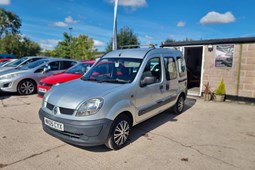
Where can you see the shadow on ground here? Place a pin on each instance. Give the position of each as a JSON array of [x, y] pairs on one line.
[[143, 128], [5, 95]]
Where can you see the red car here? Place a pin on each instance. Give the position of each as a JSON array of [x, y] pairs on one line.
[[72, 73]]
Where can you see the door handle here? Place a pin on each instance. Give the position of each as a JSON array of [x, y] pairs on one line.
[[167, 87]]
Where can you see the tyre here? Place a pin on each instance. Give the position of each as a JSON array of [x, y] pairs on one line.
[[179, 106], [119, 133], [26, 87]]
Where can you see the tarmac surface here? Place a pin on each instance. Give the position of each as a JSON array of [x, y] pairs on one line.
[[207, 135]]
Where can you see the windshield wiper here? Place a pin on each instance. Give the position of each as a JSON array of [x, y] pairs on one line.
[[88, 79], [114, 81]]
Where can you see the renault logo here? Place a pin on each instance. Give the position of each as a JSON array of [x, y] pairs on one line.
[[55, 110]]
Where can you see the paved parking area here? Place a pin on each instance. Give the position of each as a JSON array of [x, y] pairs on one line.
[[207, 135]]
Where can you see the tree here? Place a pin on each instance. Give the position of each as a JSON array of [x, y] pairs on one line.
[[169, 40], [125, 36], [9, 22], [81, 47], [15, 44]]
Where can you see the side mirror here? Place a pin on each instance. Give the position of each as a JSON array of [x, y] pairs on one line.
[[147, 81]]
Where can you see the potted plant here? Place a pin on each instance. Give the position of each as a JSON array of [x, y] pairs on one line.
[[207, 92], [220, 92]]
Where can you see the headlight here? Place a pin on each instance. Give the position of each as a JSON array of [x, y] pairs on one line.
[[90, 107], [9, 76]]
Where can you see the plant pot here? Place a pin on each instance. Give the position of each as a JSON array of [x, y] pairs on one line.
[[207, 97], [219, 98]]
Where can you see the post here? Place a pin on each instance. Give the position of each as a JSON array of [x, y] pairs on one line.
[[114, 38], [70, 41]]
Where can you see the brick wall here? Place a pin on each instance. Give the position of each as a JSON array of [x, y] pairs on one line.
[[243, 86]]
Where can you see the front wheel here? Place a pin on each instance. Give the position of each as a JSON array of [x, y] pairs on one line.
[[179, 106], [26, 87], [119, 133]]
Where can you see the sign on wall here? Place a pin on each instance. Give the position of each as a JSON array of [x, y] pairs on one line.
[[224, 55]]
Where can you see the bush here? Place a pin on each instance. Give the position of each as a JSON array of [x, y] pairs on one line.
[[221, 89]]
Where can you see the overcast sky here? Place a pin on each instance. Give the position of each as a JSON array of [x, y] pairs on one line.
[[153, 21]]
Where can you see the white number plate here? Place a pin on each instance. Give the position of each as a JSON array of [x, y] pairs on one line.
[[42, 90], [54, 124]]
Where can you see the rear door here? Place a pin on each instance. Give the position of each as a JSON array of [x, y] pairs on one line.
[[171, 80]]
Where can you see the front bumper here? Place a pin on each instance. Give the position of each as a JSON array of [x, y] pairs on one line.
[[8, 86], [79, 132]]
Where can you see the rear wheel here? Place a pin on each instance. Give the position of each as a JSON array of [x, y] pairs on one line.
[[26, 87], [179, 106], [119, 133]]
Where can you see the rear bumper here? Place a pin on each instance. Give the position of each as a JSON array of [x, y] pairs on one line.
[[78, 132]]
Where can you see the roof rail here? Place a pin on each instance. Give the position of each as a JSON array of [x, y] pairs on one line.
[[138, 46]]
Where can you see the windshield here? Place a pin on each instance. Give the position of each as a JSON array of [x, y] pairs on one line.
[[114, 70], [34, 64], [79, 68], [16, 63]]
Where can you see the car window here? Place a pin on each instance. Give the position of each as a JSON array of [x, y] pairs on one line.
[[153, 69], [79, 68], [34, 64], [181, 66], [170, 68], [66, 64], [114, 70], [54, 65], [16, 63]]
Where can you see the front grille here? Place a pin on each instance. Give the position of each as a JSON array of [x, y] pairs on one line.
[[50, 106], [62, 110], [66, 111]]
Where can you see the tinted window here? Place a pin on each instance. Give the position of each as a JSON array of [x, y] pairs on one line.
[[66, 64], [54, 65]]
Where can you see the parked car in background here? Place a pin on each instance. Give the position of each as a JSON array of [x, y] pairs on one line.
[[72, 73], [4, 63], [124, 88], [6, 57], [20, 62], [24, 79]]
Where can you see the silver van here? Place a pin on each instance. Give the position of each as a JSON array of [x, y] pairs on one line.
[[124, 88]]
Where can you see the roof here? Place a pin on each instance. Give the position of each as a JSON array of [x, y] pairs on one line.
[[140, 52], [242, 40]]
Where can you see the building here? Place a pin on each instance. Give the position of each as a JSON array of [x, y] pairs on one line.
[[211, 60]]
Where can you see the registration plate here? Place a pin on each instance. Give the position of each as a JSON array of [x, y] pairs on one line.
[[42, 90], [53, 124]]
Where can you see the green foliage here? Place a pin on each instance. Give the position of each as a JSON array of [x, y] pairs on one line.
[[221, 89], [9, 22], [80, 48], [125, 36], [168, 40], [15, 44]]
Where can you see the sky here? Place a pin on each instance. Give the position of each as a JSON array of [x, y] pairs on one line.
[[152, 21]]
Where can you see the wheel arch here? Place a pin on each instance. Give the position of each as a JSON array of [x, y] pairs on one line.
[[30, 79]]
